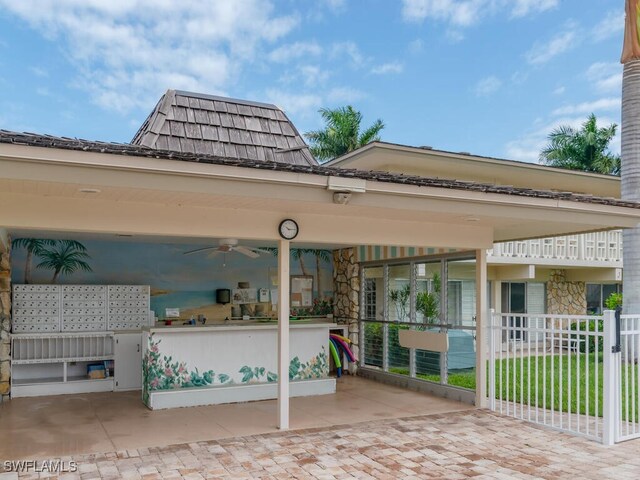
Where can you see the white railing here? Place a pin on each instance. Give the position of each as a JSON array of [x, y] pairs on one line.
[[547, 369], [598, 246], [629, 374]]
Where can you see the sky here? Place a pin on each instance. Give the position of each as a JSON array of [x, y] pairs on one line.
[[490, 77]]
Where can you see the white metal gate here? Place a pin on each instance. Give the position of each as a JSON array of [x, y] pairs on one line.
[[625, 353], [546, 369], [574, 373]]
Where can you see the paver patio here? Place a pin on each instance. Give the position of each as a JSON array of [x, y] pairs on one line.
[[455, 445], [367, 430]]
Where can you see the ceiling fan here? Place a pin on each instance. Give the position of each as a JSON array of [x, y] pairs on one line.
[[227, 245]]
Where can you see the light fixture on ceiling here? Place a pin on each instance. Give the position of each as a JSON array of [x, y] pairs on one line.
[[123, 235], [341, 198], [89, 190], [471, 218]]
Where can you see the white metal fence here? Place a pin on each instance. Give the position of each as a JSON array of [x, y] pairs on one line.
[[577, 374], [546, 369], [626, 364]]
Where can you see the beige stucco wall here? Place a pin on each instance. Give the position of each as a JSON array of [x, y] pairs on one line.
[[5, 319], [564, 297], [346, 280]]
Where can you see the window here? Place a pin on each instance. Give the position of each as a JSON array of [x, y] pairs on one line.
[[370, 297], [597, 294]]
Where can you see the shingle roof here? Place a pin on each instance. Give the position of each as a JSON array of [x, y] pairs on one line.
[[47, 141], [201, 124]]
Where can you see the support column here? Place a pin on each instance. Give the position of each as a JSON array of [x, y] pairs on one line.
[[283, 335], [5, 315], [482, 313]]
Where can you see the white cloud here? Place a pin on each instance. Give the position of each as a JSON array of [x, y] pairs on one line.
[[563, 41], [605, 77], [487, 86], [293, 103], [416, 46], [559, 90], [463, 13], [335, 5], [340, 95], [387, 68], [313, 75], [610, 26], [292, 51], [351, 51], [520, 8], [454, 35], [39, 72], [527, 147], [600, 105], [456, 12], [128, 52]]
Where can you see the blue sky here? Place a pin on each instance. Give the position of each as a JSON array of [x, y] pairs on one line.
[[491, 77]]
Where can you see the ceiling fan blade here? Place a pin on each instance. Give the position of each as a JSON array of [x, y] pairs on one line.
[[261, 250], [246, 251], [197, 250]]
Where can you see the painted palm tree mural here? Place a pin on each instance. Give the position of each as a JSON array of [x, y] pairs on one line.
[[64, 257], [297, 254], [33, 246]]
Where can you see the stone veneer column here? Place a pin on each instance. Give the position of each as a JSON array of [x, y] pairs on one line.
[[346, 287], [5, 320], [565, 298]]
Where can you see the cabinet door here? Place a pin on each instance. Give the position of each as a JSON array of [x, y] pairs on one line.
[[128, 361]]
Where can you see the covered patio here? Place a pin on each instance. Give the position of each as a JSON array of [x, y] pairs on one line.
[[74, 187]]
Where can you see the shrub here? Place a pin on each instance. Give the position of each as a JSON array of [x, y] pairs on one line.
[[590, 326]]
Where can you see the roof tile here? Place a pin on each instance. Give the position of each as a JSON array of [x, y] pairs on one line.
[[219, 157], [192, 130], [201, 114]]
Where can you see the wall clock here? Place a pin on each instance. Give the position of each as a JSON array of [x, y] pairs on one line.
[[288, 229]]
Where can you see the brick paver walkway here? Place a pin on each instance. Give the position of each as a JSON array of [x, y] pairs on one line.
[[476, 444]]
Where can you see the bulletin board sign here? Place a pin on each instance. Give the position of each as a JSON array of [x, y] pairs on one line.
[[301, 291], [244, 295]]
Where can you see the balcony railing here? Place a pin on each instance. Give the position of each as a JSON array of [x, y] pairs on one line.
[[588, 247]]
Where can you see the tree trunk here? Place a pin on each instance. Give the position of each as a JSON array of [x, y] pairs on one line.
[[302, 267], [27, 267], [318, 274], [631, 182], [55, 276]]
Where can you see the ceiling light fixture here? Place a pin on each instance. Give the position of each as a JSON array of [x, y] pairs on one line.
[[341, 198], [472, 219], [89, 190]]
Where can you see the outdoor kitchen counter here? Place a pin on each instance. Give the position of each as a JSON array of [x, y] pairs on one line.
[[188, 365]]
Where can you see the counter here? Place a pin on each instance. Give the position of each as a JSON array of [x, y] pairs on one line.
[[223, 363]]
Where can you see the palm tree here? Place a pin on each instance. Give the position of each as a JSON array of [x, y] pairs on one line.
[[583, 149], [34, 246], [298, 254], [631, 154], [342, 133], [321, 256], [67, 257]]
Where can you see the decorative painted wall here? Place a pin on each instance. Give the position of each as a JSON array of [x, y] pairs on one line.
[[565, 298], [187, 282], [346, 278], [5, 318]]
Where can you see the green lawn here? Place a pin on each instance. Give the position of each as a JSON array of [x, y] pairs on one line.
[[565, 386]]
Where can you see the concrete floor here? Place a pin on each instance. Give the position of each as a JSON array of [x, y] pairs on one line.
[[52, 427]]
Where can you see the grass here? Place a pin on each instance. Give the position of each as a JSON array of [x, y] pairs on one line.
[[565, 389]]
